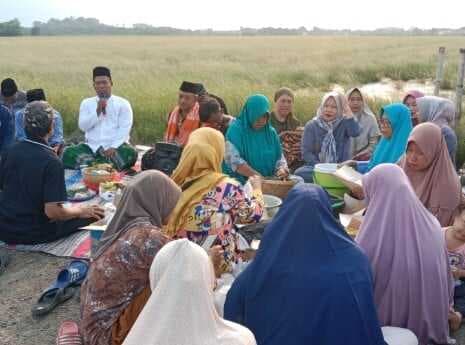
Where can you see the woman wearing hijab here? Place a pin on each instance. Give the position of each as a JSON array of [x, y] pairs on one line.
[[396, 126], [326, 138], [252, 144], [440, 111], [180, 310], [117, 284], [431, 172], [363, 145], [211, 202], [309, 283], [410, 100], [406, 247]]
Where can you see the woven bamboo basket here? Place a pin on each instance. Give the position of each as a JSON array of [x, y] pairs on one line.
[[277, 188]]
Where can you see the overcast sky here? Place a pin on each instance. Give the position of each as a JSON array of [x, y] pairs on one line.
[[232, 14]]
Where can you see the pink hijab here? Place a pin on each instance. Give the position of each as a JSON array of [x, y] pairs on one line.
[[406, 248], [438, 186], [413, 93]]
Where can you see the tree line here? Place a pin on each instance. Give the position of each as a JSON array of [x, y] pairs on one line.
[[92, 26]]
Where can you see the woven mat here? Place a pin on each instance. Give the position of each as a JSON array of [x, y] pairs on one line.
[[77, 245]]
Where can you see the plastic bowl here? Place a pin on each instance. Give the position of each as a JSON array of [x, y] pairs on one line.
[[272, 204], [323, 176], [362, 166]]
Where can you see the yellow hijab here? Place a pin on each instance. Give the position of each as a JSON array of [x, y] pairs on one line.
[[198, 171]]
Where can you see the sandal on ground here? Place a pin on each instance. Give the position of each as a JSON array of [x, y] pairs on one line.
[[62, 289], [50, 299], [68, 334], [73, 275]]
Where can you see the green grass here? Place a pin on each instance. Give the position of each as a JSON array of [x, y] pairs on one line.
[[148, 70]]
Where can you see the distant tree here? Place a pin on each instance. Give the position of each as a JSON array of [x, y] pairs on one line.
[[35, 30], [11, 28], [92, 26]]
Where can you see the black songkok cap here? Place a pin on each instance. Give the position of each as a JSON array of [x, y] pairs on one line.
[[101, 71], [195, 88]]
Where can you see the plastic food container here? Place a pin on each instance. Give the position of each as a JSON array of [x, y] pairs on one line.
[[272, 204], [323, 176]]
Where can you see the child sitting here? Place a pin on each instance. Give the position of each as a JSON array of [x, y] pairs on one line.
[[455, 240]]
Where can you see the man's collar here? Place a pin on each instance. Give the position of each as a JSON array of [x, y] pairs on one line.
[[39, 142]]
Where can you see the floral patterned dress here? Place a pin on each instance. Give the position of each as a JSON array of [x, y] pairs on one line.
[[225, 205], [116, 278]]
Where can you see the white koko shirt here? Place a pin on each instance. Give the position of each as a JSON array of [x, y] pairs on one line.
[[109, 130]]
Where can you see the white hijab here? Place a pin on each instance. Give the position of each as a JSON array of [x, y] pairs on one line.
[[181, 309]]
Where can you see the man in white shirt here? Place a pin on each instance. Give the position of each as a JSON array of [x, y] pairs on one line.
[[106, 120]]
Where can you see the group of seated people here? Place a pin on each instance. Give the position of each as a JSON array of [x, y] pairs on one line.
[[309, 282], [12, 106]]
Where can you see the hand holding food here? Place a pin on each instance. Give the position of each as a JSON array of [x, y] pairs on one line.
[[92, 212], [256, 182], [216, 254], [282, 173], [357, 192], [350, 163], [79, 192]]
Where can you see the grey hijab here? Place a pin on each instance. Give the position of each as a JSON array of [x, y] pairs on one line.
[[438, 110]]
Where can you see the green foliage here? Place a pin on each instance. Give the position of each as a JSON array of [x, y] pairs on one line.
[[147, 70], [11, 28]]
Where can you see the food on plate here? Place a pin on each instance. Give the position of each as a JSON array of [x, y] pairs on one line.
[[110, 186], [103, 166], [79, 192]]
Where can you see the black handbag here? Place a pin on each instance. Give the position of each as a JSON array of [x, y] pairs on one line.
[[164, 157]]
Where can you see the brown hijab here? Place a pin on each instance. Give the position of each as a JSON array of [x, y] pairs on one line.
[[150, 195], [438, 185]]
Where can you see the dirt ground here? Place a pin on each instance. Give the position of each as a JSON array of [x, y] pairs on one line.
[[20, 286]]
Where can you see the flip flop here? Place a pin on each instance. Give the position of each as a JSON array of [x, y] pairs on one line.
[[50, 299], [4, 260], [63, 288], [73, 275], [68, 334]]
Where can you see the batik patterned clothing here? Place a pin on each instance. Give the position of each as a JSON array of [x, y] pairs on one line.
[[290, 124], [116, 278], [225, 205]]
